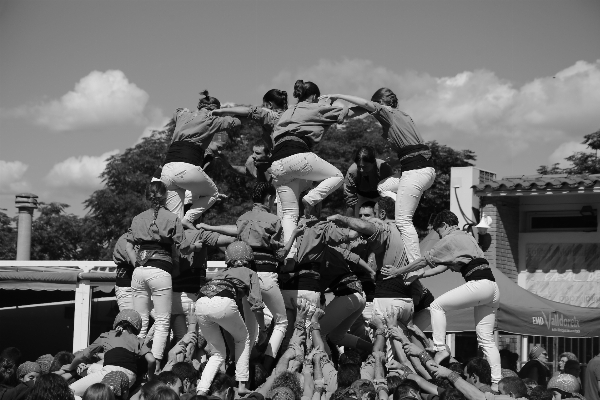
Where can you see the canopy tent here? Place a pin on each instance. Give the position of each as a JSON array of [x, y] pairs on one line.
[[521, 312]]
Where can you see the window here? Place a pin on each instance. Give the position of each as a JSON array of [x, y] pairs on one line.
[[561, 221]]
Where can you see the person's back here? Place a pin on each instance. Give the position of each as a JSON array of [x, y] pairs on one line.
[[592, 379]]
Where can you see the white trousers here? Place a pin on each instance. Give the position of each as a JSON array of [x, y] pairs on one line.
[[408, 189], [215, 314], [484, 296]]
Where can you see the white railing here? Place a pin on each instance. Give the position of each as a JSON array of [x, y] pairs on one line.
[[83, 287]]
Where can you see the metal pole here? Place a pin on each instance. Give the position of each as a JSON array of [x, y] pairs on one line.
[[25, 203]]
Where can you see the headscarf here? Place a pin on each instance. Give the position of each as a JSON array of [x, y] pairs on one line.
[[131, 316], [238, 254], [565, 382], [536, 352], [118, 382], [282, 393], [45, 362], [28, 367]]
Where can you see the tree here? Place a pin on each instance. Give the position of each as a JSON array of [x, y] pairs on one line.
[[8, 238], [581, 162], [56, 235]]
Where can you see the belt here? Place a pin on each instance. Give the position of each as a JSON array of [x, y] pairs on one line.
[[477, 268]]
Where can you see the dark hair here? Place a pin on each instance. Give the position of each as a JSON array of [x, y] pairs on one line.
[[290, 380], [208, 102], [347, 374], [163, 393], [351, 356], [514, 386], [277, 97], [368, 204], [452, 394], [458, 368], [150, 387], [220, 383], [61, 358], [8, 371], [404, 389], [365, 153], [185, 370], [531, 384], [479, 367], [198, 397], [51, 387], [441, 382], [508, 359], [540, 393], [262, 190], [303, 90], [393, 381], [388, 205], [386, 97], [157, 195], [572, 367], [126, 326], [260, 375], [14, 354], [447, 217], [98, 391], [168, 377]]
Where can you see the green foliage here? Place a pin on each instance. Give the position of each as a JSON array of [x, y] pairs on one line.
[[8, 238], [56, 235], [581, 162]]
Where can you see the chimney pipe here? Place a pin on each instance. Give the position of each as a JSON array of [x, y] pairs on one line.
[[25, 203]]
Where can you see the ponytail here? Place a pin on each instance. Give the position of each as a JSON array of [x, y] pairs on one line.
[[277, 97], [386, 97], [157, 195], [208, 102], [303, 90]]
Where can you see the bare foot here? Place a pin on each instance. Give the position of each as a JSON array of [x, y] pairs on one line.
[[441, 356]]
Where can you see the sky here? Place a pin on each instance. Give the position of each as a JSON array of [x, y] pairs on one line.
[[516, 81]]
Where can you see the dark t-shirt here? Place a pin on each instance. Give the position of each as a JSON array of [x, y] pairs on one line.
[[535, 370], [592, 376]]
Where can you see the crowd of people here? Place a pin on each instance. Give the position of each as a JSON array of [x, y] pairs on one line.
[[306, 308]]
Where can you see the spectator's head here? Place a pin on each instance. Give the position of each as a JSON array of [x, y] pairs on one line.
[[347, 374], [164, 393], [306, 91], [364, 389], [505, 373], [351, 356], [275, 99], [264, 193], [128, 320], [407, 390], [444, 221], [282, 393], [98, 391], [51, 387], [441, 382], [208, 102], [541, 393], [45, 361], [118, 382], [187, 374], [572, 367], [538, 353], [478, 370], [563, 358], [385, 97], [12, 353], [367, 210], [8, 371], [28, 371], [513, 387], [365, 159], [61, 358], [564, 384], [393, 381], [458, 368], [150, 388], [170, 379], [531, 384], [452, 394], [289, 380], [508, 359], [386, 208], [221, 385]]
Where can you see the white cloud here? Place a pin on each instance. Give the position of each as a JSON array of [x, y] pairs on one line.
[[78, 173], [565, 150], [98, 99], [474, 104], [156, 122], [11, 177]]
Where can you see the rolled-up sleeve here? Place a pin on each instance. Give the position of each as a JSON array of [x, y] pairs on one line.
[[350, 194]]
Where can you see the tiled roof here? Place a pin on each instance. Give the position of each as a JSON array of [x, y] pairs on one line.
[[540, 182]]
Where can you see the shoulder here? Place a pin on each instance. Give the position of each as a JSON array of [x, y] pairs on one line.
[[353, 169]]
